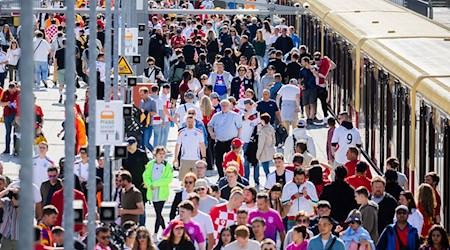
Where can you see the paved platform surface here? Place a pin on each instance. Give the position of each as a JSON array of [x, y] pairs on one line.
[[54, 116]]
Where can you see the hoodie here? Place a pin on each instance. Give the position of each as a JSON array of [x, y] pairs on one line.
[[299, 134], [369, 217]]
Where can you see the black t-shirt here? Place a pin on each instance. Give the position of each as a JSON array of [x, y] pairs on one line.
[[184, 245], [281, 178], [60, 55], [269, 107]]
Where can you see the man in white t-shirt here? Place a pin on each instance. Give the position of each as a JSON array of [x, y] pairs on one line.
[[183, 108], [344, 136], [289, 95], [81, 167], [250, 120], [159, 118], [41, 51], [41, 162], [203, 219], [190, 143]]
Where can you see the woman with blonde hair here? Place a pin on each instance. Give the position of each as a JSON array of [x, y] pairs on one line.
[[426, 204], [260, 47], [212, 46], [207, 109], [143, 240]]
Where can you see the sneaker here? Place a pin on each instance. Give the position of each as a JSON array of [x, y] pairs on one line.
[[15, 154], [155, 238], [45, 83], [6, 152], [317, 121], [309, 121], [60, 99]]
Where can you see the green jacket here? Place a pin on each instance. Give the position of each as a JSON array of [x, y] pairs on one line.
[[162, 183]]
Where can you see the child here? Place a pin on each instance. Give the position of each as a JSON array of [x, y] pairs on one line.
[[39, 137], [355, 237], [299, 235]]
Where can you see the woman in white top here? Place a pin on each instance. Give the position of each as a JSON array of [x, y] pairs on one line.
[[13, 55], [415, 218]]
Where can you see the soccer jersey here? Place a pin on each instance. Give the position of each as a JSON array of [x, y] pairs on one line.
[[40, 166], [345, 136], [222, 218], [190, 140]]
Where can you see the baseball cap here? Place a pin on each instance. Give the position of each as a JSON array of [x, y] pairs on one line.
[[214, 95], [200, 183], [178, 31], [354, 215], [301, 123], [237, 143], [177, 224], [131, 140], [189, 95], [323, 203], [166, 86], [402, 208]]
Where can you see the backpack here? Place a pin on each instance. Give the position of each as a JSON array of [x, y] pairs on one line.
[[280, 135]]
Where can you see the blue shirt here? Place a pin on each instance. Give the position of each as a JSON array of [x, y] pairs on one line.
[[226, 125], [270, 107], [309, 80]]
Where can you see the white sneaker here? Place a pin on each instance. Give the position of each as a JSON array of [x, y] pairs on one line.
[[155, 238]]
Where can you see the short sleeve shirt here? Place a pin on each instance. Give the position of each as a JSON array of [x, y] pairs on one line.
[[269, 107], [230, 120], [190, 140], [274, 222], [289, 92], [129, 199]]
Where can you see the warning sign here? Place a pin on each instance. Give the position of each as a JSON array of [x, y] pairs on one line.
[[124, 67]]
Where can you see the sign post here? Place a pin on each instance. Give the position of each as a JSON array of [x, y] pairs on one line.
[[109, 123]]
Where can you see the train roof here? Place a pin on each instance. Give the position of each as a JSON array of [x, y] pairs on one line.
[[422, 61], [358, 26], [321, 8]]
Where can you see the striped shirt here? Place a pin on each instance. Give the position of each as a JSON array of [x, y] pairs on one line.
[[10, 226], [46, 234]]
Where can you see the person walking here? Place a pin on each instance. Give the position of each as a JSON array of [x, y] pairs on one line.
[[223, 137], [266, 146], [41, 51], [157, 177], [13, 55], [9, 100]]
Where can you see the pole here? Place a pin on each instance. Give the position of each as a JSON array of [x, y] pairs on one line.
[[116, 48], [123, 12], [107, 169], [69, 124], [27, 127], [91, 142]]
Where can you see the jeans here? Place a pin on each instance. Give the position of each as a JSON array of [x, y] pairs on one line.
[[164, 135], [157, 134], [261, 61], [2, 79], [8, 125], [265, 166], [146, 135], [142, 217], [246, 163], [40, 69], [158, 205]]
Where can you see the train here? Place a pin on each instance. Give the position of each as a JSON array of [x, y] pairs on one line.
[[393, 77]]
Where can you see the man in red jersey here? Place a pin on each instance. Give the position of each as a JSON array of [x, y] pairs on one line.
[[360, 179]]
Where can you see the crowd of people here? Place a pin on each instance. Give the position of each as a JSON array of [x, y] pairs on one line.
[[242, 93]]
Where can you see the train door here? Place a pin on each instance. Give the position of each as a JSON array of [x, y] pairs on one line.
[[445, 183]]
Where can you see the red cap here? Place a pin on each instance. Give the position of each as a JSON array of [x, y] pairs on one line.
[[237, 143], [177, 224]]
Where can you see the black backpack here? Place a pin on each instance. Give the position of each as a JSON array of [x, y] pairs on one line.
[[280, 135]]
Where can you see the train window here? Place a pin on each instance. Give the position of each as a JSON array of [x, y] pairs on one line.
[[431, 141]]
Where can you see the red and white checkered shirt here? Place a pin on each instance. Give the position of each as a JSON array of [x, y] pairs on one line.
[[222, 217], [51, 31]]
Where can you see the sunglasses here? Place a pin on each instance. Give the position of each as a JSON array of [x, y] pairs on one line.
[[142, 236], [188, 182], [107, 237], [302, 220], [352, 222], [52, 176], [268, 248], [191, 113], [200, 189]]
